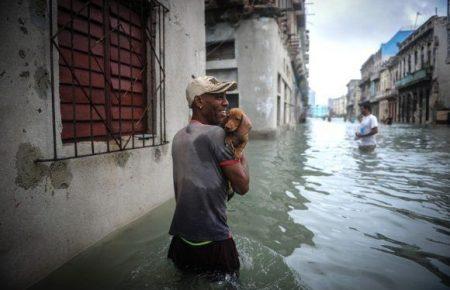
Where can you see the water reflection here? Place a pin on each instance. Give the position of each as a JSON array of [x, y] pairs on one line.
[[320, 214]]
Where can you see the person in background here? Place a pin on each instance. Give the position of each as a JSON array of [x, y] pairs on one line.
[[367, 129]]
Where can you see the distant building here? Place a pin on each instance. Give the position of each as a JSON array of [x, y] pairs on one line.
[[353, 98], [311, 98], [337, 106], [390, 48], [318, 111], [371, 69], [422, 74]]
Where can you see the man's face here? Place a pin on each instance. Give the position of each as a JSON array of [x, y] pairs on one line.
[[214, 109], [364, 111]]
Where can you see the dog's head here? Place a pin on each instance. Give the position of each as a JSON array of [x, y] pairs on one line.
[[234, 120]]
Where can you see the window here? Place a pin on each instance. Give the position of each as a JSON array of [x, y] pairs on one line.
[[233, 100], [220, 50], [111, 74], [279, 84], [422, 57], [409, 63], [278, 110], [415, 60]]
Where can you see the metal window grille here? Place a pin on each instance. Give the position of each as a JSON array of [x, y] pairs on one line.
[[111, 76]]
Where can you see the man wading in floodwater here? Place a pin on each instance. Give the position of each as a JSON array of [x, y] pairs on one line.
[[202, 166], [367, 129]]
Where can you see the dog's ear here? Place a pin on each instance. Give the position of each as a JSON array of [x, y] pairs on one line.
[[246, 125]]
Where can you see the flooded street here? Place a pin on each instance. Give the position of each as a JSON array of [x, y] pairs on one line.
[[319, 215]]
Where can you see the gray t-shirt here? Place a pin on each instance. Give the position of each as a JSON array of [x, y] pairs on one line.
[[198, 152]]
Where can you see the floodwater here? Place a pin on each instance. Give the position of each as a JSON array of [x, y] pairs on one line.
[[319, 215]]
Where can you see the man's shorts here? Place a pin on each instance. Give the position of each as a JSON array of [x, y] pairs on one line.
[[367, 148], [214, 257]]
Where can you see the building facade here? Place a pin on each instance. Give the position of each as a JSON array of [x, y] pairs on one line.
[[88, 112], [262, 45], [422, 74], [375, 77], [353, 98], [318, 111], [338, 106]]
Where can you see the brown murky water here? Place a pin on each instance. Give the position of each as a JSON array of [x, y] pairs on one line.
[[319, 215]]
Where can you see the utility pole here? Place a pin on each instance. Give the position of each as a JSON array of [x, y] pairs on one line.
[[417, 17]]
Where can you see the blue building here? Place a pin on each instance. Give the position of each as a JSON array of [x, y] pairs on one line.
[[311, 98], [390, 48], [318, 111]]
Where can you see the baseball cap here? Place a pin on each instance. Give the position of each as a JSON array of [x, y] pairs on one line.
[[207, 84]]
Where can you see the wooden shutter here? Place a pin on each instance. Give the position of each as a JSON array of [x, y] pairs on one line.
[[102, 60]]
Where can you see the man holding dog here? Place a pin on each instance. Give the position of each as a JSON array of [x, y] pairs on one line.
[[202, 167]]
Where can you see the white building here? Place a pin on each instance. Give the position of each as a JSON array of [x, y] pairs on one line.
[[262, 45]]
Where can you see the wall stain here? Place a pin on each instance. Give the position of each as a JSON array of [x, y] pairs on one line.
[[157, 154], [22, 53], [121, 158], [60, 175], [24, 29], [38, 11], [24, 74], [41, 82], [2, 74], [29, 173]]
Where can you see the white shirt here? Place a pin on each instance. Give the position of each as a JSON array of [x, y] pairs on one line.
[[367, 124]]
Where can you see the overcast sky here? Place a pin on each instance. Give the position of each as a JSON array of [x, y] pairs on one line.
[[344, 33]]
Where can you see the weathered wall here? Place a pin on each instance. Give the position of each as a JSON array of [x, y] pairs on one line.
[[49, 212], [261, 56], [442, 71]]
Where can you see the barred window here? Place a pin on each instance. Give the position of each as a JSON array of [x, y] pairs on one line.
[[102, 55], [111, 75]]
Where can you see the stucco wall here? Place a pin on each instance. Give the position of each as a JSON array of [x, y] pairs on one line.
[[49, 212], [260, 54]]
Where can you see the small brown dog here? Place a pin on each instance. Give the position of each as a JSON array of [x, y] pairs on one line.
[[236, 125]]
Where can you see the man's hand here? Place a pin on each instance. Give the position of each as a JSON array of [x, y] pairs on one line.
[[373, 131]]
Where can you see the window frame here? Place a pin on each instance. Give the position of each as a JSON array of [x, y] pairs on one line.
[[154, 37]]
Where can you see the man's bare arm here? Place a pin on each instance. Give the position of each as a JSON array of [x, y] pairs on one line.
[[373, 131], [238, 175]]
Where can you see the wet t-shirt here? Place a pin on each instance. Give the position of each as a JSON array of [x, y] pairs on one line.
[[198, 153], [367, 124]]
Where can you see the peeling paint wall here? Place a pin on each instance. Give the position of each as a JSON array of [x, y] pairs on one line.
[[51, 211], [261, 56], [442, 71]]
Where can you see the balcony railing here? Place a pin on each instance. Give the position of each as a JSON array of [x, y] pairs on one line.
[[415, 77]]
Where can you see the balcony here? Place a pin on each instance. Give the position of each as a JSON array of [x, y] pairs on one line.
[[417, 76], [387, 94]]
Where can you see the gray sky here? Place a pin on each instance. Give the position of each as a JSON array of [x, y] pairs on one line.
[[344, 33]]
